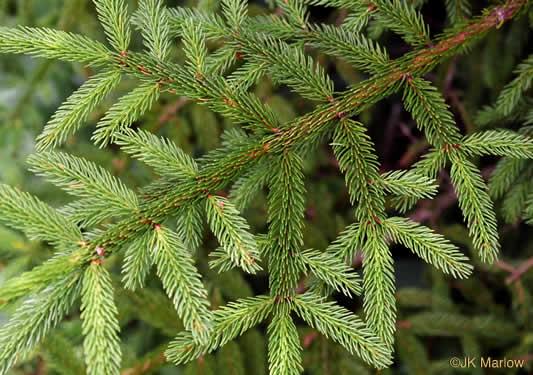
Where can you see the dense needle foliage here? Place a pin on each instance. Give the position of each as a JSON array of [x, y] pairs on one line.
[[252, 172]]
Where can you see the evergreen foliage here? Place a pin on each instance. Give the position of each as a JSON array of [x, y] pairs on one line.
[[107, 240]]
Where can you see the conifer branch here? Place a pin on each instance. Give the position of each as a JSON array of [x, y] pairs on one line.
[[409, 183], [229, 322], [246, 187], [182, 283], [431, 163], [458, 10], [75, 110], [167, 159], [512, 93], [379, 301], [194, 48], [288, 65], [285, 219], [349, 242], [202, 79], [354, 48], [138, 261], [294, 12], [235, 12], [232, 232], [374, 88], [428, 245], [113, 15], [190, 226], [88, 212], [284, 348], [476, 206], [153, 23], [58, 266], [37, 219], [99, 322], [517, 203], [54, 44], [499, 142], [355, 152], [403, 19], [123, 113], [220, 260], [84, 179], [32, 321], [332, 271], [431, 113], [342, 326]]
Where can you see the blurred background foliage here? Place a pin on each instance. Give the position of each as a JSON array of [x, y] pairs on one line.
[[489, 314]]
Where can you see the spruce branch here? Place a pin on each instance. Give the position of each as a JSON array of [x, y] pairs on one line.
[[220, 260], [194, 48], [232, 232], [181, 281], [124, 112], [458, 10], [153, 23], [212, 24], [344, 4], [284, 348], [248, 74], [37, 219], [89, 212], [32, 321], [54, 44], [235, 12], [512, 93], [431, 113], [229, 322], [509, 169], [356, 155], [403, 19], [409, 183], [85, 179], [138, 261], [359, 17], [113, 15], [57, 267], [100, 322], [285, 219], [476, 206], [246, 187], [288, 65], [75, 110], [294, 12], [167, 159], [431, 163], [190, 226], [428, 245], [528, 210], [354, 48], [230, 97], [516, 203], [237, 104], [342, 326], [327, 267], [498, 142], [371, 90], [349, 242], [379, 301]]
